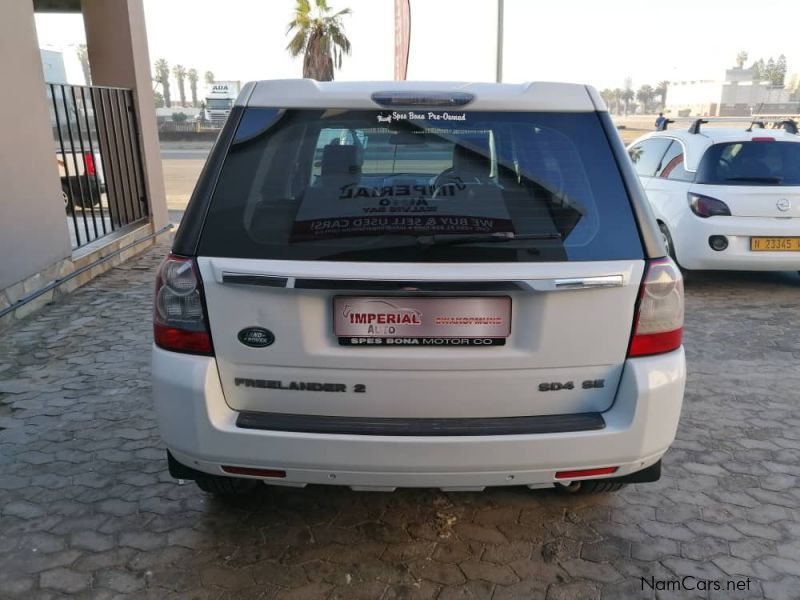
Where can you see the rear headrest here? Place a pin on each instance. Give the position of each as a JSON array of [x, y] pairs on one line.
[[467, 163], [340, 160]]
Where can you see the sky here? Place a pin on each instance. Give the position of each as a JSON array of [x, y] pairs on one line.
[[585, 41]]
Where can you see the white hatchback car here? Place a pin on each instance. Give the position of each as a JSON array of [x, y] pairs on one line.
[[724, 198], [400, 284]]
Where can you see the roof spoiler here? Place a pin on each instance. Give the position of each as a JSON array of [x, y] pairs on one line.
[[695, 127]]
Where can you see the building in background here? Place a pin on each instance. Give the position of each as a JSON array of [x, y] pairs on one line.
[[53, 66], [739, 94]]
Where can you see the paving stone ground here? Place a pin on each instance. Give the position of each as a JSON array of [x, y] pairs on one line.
[[87, 509]]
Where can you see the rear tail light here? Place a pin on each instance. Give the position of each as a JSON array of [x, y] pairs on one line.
[[705, 206], [179, 316], [658, 323], [88, 160]]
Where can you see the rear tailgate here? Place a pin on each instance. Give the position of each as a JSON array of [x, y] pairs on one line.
[[755, 178], [564, 353], [521, 213]]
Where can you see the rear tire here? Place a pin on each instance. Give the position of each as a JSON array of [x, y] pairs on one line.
[[670, 246], [227, 486], [667, 238], [65, 197], [589, 486]]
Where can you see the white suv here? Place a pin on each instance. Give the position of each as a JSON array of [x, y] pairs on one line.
[[399, 284], [724, 198]]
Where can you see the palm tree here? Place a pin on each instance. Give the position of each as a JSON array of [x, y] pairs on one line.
[[209, 77], [83, 57], [193, 77], [661, 90], [319, 36], [741, 58], [161, 67], [618, 99], [179, 71], [645, 96], [608, 97], [627, 96]]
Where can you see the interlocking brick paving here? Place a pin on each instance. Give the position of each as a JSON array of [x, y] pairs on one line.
[[87, 509]]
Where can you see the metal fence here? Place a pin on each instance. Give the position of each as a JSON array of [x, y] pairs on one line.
[[96, 135]]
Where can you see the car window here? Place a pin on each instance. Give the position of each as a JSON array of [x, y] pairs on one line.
[[378, 152], [672, 164], [379, 186], [751, 163], [646, 155]]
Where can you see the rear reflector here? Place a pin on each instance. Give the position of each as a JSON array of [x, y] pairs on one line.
[[586, 473], [275, 473]]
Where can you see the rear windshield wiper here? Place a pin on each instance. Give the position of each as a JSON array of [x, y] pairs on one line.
[[441, 239], [756, 179]]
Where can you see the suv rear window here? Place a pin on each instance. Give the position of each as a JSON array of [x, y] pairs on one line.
[[420, 186], [751, 163]]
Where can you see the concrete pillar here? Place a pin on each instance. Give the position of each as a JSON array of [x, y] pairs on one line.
[[33, 228], [116, 40]]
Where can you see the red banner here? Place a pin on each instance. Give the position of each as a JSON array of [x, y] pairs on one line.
[[402, 35]]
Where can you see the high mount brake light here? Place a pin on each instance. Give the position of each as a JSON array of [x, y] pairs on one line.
[[179, 315], [422, 99], [658, 323], [706, 206]]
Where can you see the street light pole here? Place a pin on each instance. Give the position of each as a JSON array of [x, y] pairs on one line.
[[499, 69]]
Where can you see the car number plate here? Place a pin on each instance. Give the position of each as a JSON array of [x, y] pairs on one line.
[[415, 321], [775, 244]]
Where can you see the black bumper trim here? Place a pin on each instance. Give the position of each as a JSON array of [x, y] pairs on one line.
[[420, 427]]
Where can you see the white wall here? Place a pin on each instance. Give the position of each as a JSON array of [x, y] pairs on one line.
[[33, 228]]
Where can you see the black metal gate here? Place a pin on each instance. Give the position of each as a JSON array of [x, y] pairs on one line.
[[96, 134]]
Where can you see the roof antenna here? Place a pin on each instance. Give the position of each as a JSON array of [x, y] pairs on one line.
[[664, 124], [758, 124], [695, 128]]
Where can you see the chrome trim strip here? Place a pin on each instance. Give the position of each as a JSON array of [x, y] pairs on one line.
[[389, 285], [582, 283], [250, 279]]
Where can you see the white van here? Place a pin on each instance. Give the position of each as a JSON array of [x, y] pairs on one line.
[[400, 284]]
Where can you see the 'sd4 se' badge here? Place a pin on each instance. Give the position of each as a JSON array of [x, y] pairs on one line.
[[256, 337]]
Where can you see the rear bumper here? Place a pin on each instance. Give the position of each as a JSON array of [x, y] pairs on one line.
[[201, 432], [693, 251]]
